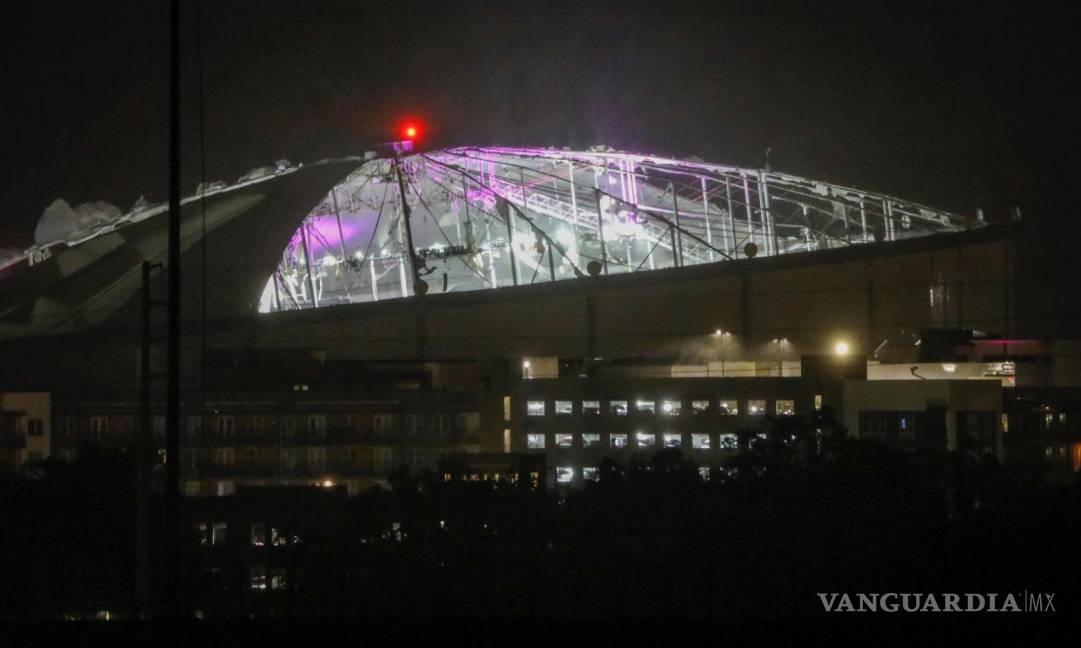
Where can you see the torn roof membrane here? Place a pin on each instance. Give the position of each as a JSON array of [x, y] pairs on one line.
[[491, 217]]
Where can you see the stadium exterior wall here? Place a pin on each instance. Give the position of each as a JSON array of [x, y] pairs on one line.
[[861, 295]]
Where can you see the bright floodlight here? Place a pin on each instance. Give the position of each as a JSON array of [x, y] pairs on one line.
[[841, 348]]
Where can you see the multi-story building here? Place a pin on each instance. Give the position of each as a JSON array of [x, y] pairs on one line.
[[302, 437], [578, 422], [251, 546]]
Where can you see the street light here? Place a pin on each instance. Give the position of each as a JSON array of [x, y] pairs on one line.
[[841, 348]]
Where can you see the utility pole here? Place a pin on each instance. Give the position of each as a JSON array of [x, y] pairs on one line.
[[420, 286], [146, 452], [172, 408], [407, 215]]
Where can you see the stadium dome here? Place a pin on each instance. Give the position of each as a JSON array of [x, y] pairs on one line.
[[491, 217], [473, 218]]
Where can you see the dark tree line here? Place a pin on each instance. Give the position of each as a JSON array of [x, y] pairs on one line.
[[796, 514]]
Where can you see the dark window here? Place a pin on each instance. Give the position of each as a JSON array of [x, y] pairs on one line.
[[892, 427]]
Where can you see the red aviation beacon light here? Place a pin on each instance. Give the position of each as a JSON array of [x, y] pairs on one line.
[[408, 133]]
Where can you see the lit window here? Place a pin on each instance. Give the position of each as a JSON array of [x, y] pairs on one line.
[[590, 473], [564, 474], [728, 442], [671, 407], [645, 439], [756, 407], [673, 440], [226, 488], [785, 407], [700, 441], [224, 426], [728, 407], [645, 407], [906, 427], [564, 407], [591, 408], [818, 401], [565, 440], [383, 424], [758, 439], [218, 534], [258, 534], [278, 579], [258, 578], [535, 441], [317, 425], [99, 425], [535, 408], [699, 406], [618, 408], [618, 440], [703, 472], [506, 408], [591, 440]]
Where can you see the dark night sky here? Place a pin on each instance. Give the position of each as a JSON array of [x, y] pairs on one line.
[[948, 104]]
